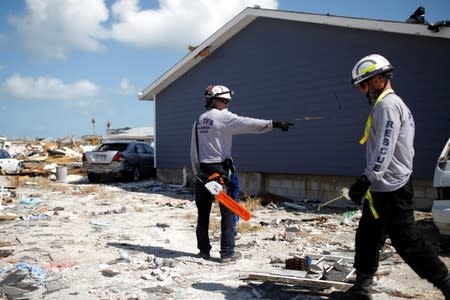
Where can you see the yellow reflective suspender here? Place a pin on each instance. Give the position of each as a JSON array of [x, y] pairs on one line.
[[372, 207], [369, 121], [364, 139]]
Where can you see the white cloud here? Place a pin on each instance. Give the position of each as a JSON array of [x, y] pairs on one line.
[[47, 88], [53, 28], [126, 88], [176, 22]]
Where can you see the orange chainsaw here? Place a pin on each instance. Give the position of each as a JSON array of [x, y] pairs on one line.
[[216, 189]]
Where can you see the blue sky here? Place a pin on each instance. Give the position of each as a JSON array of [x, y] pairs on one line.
[[64, 62]]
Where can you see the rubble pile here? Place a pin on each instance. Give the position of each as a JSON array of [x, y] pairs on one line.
[[41, 157], [136, 240]]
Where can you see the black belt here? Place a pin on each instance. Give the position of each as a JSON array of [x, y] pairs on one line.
[[227, 164]]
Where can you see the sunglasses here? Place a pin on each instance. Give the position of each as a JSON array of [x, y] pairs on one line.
[[363, 84]]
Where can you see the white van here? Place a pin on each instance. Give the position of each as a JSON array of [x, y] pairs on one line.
[[441, 181]]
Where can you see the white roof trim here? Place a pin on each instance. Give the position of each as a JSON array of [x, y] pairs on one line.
[[248, 15]]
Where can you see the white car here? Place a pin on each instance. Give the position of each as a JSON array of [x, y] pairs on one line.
[[441, 181], [9, 165]]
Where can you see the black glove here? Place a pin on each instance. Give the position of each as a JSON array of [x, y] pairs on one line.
[[359, 189], [284, 126]]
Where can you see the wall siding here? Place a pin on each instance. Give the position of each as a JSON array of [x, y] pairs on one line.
[[290, 70]]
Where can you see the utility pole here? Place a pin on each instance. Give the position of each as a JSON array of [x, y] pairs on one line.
[[93, 124]]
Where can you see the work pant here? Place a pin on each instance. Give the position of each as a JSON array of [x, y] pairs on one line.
[[233, 192], [203, 201], [396, 219]]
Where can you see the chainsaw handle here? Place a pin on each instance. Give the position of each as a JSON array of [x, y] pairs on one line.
[[217, 191]]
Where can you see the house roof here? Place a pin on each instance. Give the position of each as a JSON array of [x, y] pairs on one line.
[[248, 15]]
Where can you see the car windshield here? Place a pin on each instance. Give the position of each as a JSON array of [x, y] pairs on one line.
[[113, 147], [4, 154]]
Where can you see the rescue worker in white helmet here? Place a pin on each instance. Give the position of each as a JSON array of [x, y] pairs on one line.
[[369, 67], [211, 153], [386, 185]]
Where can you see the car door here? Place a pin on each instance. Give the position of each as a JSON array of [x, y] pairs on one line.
[[143, 158], [3, 160], [7, 163], [441, 180]]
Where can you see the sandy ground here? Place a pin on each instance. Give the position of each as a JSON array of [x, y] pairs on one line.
[[75, 240]]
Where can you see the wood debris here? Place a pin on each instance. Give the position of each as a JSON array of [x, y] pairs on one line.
[[296, 280], [41, 157]]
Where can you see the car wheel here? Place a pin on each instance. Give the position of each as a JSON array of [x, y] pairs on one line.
[[136, 174], [92, 177]]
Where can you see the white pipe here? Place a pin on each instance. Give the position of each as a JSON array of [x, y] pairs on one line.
[[185, 176], [185, 179]]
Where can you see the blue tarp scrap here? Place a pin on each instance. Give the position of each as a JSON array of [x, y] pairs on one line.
[[34, 217], [28, 201], [34, 271]]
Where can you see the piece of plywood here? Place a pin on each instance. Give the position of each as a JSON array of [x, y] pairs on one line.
[[297, 280]]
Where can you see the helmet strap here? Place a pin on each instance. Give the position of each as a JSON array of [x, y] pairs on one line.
[[209, 103]]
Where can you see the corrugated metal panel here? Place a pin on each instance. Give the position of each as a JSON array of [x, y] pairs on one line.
[[290, 71]]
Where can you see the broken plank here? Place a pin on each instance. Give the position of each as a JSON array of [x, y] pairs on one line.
[[5, 243], [284, 272], [321, 257], [8, 216], [297, 280]]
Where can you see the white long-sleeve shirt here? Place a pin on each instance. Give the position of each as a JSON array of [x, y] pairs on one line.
[[390, 147], [215, 129]]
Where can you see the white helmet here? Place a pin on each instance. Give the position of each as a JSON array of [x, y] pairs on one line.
[[368, 67], [218, 92]]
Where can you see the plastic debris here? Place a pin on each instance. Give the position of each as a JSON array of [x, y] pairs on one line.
[[35, 217], [28, 201], [350, 217]]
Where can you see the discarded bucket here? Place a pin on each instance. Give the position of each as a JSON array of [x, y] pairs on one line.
[[61, 173]]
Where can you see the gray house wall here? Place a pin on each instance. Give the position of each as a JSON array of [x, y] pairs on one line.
[[293, 71]]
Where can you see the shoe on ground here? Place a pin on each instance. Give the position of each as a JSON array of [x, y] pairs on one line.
[[445, 288], [350, 295], [204, 255], [237, 255]]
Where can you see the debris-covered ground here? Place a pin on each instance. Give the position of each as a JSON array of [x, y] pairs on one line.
[[75, 240]]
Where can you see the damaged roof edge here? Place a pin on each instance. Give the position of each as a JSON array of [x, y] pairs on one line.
[[193, 58], [248, 15]]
